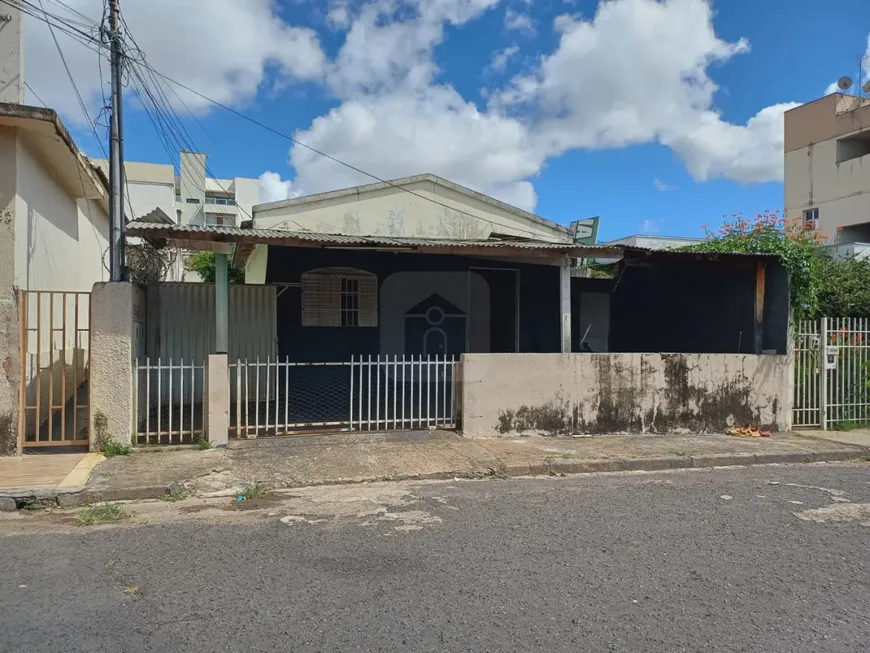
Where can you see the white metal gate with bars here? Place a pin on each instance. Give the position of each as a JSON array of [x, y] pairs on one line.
[[279, 397], [832, 372]]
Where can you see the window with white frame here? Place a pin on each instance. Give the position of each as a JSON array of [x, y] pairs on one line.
[[811, 218], [339, 297]]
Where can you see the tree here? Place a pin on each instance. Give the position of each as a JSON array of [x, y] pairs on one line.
[[820, 285], [203, 263], [769, 233]]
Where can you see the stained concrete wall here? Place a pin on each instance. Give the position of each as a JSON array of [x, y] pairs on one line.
[[114, 307], [565, 394]]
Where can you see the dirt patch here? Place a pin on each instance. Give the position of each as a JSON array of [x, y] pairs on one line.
[[838, 513]]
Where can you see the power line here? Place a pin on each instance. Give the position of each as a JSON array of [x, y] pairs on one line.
[[75, 87], [29, 88], [88, 39], [328, 156]]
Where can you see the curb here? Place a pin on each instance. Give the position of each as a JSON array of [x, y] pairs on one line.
[[72, 496]]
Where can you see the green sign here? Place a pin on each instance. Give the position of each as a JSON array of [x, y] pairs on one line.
[[585, 231]]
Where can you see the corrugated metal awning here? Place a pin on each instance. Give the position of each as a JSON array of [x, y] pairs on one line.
[[245, 240], [205, 237]]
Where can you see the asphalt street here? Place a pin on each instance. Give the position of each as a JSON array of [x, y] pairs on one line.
[[752, 559]]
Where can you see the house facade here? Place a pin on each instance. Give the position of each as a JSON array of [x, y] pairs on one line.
[[53, 248]]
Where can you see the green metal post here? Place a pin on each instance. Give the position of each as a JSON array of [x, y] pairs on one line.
[[221, 304]]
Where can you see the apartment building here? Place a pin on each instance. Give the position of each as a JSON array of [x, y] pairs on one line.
[[827, 170], [190, 196]]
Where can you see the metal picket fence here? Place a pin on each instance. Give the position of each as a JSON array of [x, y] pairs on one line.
[[169, 401], [407, 392], [281, 397], [278, 397], [832, 372]]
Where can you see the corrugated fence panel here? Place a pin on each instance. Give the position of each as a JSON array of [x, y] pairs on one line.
[[181, 320]]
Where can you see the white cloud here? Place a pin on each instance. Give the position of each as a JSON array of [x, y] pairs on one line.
[[662, 186], [417, 131], [637, 73], [220, 47], [501, 58], [651, 226], [274, 189], [634, 73], [514, 20]]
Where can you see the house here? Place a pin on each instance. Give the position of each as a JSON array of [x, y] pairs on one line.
[[418, 303], [53, 247], [827, 176]]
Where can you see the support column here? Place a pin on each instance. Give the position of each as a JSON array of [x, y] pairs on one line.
[[112, 350], [217, 415], [221, 304], [565, 307], [760, 272]]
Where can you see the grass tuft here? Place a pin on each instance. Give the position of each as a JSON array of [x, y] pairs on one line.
[[112, 448], [255, 491], [101, 513]]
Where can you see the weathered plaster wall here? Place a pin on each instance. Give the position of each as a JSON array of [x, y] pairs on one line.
[[555, 394], [113, 341], [9, 356], [429, 210]]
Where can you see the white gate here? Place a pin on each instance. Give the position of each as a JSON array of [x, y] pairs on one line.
[[832, 372], [282, 397]]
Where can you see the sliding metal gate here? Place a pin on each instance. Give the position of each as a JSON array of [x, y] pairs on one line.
[[55, 357], [375, 393]]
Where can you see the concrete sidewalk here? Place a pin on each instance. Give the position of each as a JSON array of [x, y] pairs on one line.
[[354, 458]]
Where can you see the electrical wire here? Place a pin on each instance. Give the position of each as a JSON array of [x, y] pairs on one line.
[[138, 57], [75, 87], [30, 88]]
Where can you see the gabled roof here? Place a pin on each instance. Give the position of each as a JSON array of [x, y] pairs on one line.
[[404, 182]]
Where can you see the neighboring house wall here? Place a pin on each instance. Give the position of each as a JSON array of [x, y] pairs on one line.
[[49, 241], [556, 394], [827, 164], [431, 210], [9, 352], [61, 243]]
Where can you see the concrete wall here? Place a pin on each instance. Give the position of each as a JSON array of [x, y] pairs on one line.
[[192, 187], [9, 354], [148, 186], [392, 211], [116, 307], [556, 394], [60, 242], [841, 191]]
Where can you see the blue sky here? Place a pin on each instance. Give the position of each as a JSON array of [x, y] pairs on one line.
[[587, 112]]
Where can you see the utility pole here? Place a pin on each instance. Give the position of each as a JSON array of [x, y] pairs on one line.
[[116, 153]]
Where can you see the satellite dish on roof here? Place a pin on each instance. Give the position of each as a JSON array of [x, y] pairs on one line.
[[844, 83], [867, 86]]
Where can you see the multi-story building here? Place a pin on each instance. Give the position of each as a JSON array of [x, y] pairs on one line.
[[827, 170], [189, 197]]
